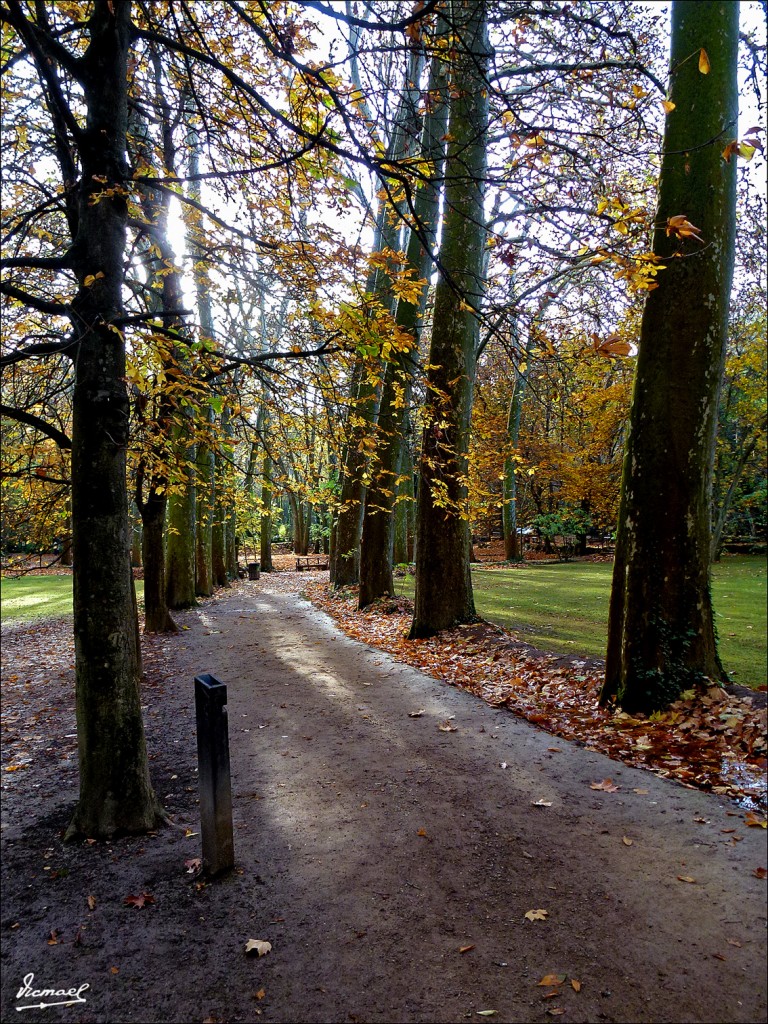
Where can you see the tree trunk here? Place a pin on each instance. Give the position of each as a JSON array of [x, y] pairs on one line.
[[115, 790], [443, 581], [265, 526], [661, 637], [157, 617], [180, 546], [378, 535]]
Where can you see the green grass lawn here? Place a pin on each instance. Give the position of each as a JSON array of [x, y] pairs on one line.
[[557, 607], [34, 597], [563, 607]]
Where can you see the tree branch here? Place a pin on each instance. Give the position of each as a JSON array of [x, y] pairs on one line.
[[36, 423]]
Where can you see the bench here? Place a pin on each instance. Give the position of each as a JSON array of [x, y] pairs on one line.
[[312, 562]]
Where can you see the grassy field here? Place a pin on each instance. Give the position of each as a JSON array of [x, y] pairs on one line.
[[34, 597], [563, 607], [557, 607]]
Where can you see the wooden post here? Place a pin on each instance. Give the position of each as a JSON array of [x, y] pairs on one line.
[[215, 775]]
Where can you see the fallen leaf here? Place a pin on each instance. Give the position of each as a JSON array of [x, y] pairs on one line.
[[53, 938], [719, 956], [641, 792], [144, 899], [752, 820], [537, 915], [626, 841], [554, 750], [114, 970], [487, 1013], [193, 865], [760, 872], [541, 803], [447, 727], [686, 878], [258, 946], [552, 979], [424, 834], [261, 993], [555, 1011], [606, 786], [189, 833], [733, 942], [466, 949], [91, 902], [575, 985], [416, 714]]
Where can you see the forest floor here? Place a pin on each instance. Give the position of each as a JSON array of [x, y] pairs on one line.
[[412, 850]]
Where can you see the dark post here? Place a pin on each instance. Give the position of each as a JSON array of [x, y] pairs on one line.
[[215, 777]]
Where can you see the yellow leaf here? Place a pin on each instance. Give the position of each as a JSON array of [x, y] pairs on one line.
[[626, 841], [536, 915], [575, 985], [704, 65], [639, 92], [668, 105], [552, 979], [686, 878], [91, 902]]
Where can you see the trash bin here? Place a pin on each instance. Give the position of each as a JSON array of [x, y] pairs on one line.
[[253, 570]]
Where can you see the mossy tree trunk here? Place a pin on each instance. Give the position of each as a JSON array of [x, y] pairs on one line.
[[661, 636], [443, 582]]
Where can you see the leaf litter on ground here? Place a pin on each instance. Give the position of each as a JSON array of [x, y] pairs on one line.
[[714, 741]]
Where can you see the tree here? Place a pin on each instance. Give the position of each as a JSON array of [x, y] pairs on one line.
[[443, 583], [115, 789], [661, 636]]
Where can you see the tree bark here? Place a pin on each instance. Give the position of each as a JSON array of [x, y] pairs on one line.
[[661, 637], [115, 790], [378, 534], [443, 581]]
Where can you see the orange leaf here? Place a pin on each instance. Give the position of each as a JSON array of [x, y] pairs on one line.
[[704, 65], [760, 872], [606, 786], [552, 979], [668, 105], [575, 985], [466, 949]]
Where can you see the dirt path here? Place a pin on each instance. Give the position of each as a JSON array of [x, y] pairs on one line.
[[371, 848]]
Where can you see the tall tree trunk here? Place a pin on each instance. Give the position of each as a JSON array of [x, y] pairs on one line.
[[115, 790], [265, 526], [378, 536], [443, 582], [157, 617], [180, 545], [661, 637]]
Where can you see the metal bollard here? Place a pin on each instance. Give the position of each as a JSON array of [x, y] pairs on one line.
[[215, 775]]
